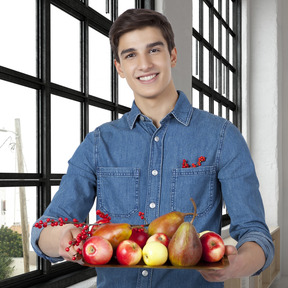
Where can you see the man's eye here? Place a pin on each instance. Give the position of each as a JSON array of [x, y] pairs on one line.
[[154, 50], [131, 55]]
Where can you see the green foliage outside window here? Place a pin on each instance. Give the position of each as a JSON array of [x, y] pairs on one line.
[[10, 246]]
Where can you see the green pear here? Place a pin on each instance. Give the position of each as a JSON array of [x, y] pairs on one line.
[[185, 248]]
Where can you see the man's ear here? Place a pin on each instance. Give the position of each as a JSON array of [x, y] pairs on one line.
[[173, 57], [119, 68]]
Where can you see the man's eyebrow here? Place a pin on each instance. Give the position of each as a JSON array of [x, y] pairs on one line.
[[158, 43], [150, 45]]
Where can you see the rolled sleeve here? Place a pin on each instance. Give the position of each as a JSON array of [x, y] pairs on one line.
[[264, 241]]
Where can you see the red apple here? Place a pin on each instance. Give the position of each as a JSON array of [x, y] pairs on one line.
[[97, 250], [159, 237], [213, 247], [140, 236], [128, 252]]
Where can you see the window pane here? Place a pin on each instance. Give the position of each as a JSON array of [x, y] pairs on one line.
[[18, 35], [126, 95], [206, 21], [195, 8], [195, 58], [17, 153], [18, 213], [195, 98], [65, 49], [123, 5], [65, 132], [99, 65], [206, 103], [98, 116], [206, 66], [101, 7]]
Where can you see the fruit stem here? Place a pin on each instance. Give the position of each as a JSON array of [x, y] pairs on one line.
[[195, 210]]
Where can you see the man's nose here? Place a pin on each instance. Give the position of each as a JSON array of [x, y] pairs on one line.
[[144, 62]]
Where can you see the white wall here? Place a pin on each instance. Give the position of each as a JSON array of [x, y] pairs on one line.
[[283, 69]]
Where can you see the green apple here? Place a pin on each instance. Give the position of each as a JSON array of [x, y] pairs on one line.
[[203, 232], [155, 253]]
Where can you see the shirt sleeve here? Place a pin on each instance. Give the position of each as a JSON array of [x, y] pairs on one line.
[[76, 194], [240, 189]]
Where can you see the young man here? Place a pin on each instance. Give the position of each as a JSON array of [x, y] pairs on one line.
[[135, 164]]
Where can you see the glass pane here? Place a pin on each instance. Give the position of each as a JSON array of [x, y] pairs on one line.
[[65, 49], [231, 49], [216, 34], [206, 21], [18, 35], [65, 132], [99, 65], [126, 95], [224, 10], [206, 66], [206, 103], [224, 38], [101, 7], [195, 58], [195, 98], [98, 116], [195, 9], [123, 5], [17, 128], [18, 213], [231, 88], [216, 108], [231, 4]]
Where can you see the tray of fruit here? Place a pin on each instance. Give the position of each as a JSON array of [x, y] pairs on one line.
[[168, 242], [201, 265]]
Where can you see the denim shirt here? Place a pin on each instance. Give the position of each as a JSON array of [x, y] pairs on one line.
[[132, 166]]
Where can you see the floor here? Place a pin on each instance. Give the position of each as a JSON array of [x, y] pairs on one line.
[[280, 283]]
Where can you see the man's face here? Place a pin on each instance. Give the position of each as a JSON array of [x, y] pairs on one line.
[[146, 63]]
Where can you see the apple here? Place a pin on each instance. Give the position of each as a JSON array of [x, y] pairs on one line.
[[140, 236], [97, 250], [160, 237], [155, 253], [128, 252], [213, 247]]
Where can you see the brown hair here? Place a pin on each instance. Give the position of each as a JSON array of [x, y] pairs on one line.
[[133, 19]]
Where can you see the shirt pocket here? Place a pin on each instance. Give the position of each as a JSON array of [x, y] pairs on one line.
[[198, 183], [118, 191]]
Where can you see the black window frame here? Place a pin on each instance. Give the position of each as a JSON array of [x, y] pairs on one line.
[[68, 273], [234, 66]]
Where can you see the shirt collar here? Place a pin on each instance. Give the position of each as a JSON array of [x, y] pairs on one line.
[[182, 111]]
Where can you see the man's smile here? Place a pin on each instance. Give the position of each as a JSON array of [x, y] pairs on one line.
[[147, 77]]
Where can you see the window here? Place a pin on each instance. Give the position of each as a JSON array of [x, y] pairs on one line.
[[216, 58], [216, 61], [56, 84]]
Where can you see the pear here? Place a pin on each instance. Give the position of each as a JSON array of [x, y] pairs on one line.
[[185, 248], [114, 232], [167, 223]]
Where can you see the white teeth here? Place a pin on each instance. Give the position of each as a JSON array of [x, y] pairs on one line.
[[146, 78]]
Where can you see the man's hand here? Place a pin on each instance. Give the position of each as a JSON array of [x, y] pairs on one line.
[[53, 241], [67, 234], [244, 262]]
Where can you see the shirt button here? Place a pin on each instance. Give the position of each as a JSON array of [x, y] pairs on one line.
[[154, 172], [156, 139], [152, 205], [144, 273], [142, 118]]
